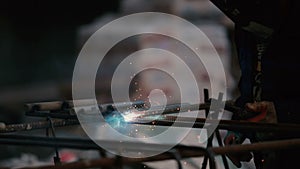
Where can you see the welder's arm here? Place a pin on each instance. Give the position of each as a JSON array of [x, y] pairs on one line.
[[267, 112]]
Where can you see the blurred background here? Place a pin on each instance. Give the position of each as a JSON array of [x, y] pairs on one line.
[[40, 41]]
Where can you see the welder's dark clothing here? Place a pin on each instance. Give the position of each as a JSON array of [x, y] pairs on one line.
[[280, 70]]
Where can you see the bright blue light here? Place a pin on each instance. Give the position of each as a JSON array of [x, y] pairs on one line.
[[115, 120]]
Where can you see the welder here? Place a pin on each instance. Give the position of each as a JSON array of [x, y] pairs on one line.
[[266, 38]]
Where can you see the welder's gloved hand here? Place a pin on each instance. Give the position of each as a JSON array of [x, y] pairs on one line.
[[267, 112]]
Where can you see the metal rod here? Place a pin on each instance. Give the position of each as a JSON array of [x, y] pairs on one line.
[[84, 143], [219, 139], [68, 104], [241, 126], [76, 143], [185, 152], [217, 108], [186, 107], [233, 125], [210, 139], [37, 125], [59, 115], [53, 109]]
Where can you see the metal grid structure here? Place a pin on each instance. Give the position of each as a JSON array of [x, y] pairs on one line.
[[61, 114]]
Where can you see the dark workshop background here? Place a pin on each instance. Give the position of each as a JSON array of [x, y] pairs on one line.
[[38, 48], [40, 41]]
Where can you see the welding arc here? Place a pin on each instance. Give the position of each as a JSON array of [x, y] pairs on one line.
[[234, 125]]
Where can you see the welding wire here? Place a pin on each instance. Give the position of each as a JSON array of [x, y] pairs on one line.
[[185, 152], [37, 125], [234, 125]]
